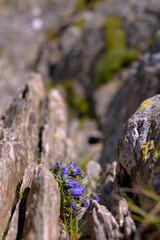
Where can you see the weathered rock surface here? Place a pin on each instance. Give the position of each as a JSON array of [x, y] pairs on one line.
[[142, 82], [98, 223], [15, 230], [53, 129], [19, 142], [29, 197], [103, 97], [42, 208], [139, 151], [34, 129], [23, 29], [93, 172]]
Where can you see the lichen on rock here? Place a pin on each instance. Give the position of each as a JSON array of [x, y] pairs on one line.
[[145, 104], [146, 149]]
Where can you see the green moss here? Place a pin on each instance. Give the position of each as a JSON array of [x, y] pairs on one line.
[[146, 149], [48, 86], [145, 104], [51, 35], [150, 42], [117, 54], [83, 5], [81, 24], [156, 153]]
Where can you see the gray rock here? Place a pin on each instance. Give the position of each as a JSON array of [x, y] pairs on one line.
[[98, 223], [43, 206], [53, 129], [93, 171], [17, 221], [103, 97], [139, 146], [141, 82], [19, 142], [80, 134], [24, 26]]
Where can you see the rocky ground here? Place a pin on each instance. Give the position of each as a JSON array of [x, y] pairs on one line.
[[52, 116]]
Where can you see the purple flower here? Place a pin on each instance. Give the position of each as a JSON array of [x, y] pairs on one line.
[[71, 183], [77, 172], [73, 204], [76, 192], [87, 203], [95, 197], [73, 165], [58, 164], [81, 188], [65, 172]]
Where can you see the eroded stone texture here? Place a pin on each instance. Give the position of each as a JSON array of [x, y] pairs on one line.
[[139, 146], [16, 226], [42, 209], [98, 223], [53, 129], [18, 142], [93, 172], [142, 82]]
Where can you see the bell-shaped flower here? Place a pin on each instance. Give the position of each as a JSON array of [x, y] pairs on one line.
[[59, 164], [81, 188], [95, 197], [73, 204], [73, 164], [76, 192], [69, 183], [86, 203], [65, 172], [77, 171]]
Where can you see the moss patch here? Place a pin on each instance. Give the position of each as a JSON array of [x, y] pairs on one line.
[[117, 54], [48, 86], [81, 24], [145, 104], [146, 149]]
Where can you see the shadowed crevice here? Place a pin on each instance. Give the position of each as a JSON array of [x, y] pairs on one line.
[[22, 211]]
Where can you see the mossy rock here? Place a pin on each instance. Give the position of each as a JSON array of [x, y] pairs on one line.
[[117, 54], [81, 24], [48, 86]]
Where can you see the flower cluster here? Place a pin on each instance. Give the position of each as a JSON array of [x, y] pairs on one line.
[[69, 180]]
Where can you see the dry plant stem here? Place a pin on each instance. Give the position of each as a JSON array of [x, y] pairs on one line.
[[146, 221]]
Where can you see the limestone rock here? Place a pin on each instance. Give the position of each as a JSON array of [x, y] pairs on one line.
[[42, 208]]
